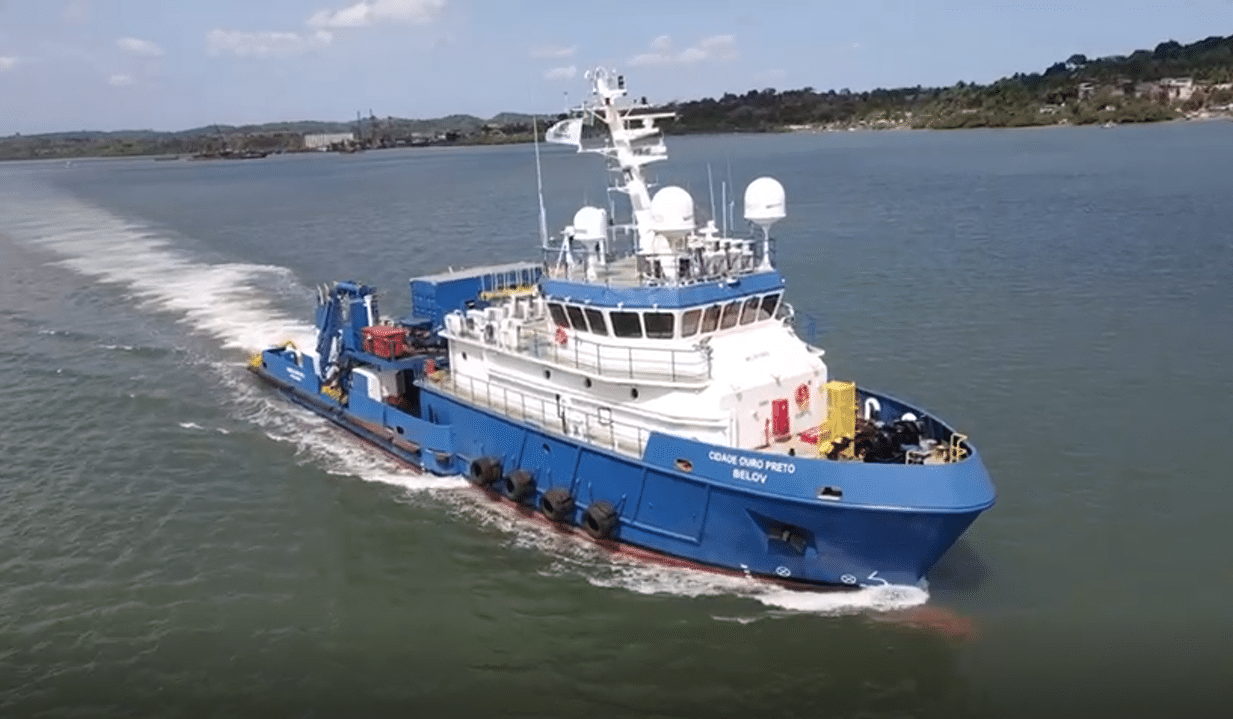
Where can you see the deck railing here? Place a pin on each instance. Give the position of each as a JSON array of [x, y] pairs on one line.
[[656, 364], [594, 426]]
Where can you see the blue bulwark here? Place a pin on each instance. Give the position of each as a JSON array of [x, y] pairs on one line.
[[666, 296]]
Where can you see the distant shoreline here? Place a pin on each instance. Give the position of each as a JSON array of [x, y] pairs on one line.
[[525, 138], [820, 129], [1167, 83]]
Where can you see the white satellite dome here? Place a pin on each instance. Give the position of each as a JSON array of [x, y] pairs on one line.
[[672, 211], [764, 202], [590, 224]]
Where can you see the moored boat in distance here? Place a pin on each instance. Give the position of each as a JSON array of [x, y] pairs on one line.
[[643, 383]]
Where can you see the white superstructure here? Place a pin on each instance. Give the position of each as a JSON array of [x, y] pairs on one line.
[[685, 333]]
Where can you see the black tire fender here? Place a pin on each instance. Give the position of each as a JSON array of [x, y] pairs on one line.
[[518, 485], [485, 470], [600, 520], [557, 504]]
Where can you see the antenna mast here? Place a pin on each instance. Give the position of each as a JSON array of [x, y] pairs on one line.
[[710, 186], [539, 186]]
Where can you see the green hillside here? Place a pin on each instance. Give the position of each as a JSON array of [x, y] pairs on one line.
[[1169, 82]]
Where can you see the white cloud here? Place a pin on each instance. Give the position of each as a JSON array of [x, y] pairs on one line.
[[139, 47], [7, 63], [712, 49], [120, 80], [551, 51], [561, 73], [373, 12], [282, 43], [264, 44]]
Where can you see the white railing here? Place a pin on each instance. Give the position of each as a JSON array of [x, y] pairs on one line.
[[594, 426], [656, 364]]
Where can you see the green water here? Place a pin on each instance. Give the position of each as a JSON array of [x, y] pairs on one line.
[[176, 541]]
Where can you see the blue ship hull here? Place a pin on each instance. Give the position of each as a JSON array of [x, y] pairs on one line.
[[610, 386], [797, 519]]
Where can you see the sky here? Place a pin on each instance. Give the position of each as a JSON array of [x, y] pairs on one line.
[[69, 65]]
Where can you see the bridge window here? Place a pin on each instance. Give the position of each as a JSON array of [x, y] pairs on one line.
[[576, 320], [626, 324], [659, 325], [689, 323], [768, 307], [711, 321], [596, 318], [558, 314], [750, 311], [732, 312]]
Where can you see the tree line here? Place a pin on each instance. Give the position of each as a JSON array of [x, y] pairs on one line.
[[1120, 89], [1077, 90]]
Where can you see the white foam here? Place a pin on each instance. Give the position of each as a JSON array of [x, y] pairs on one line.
[[650, 579], [320, 443], [225, 300]]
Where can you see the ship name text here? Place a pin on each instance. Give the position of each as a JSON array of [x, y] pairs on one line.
[[751, 469]]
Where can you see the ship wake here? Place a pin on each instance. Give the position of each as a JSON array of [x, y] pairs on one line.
[[224, 300]]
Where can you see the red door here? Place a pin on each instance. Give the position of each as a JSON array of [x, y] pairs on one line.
[[779, 418]]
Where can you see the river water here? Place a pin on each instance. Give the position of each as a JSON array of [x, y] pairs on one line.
[[175, 541]]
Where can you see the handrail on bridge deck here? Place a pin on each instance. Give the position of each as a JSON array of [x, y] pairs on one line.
[[656, 364]]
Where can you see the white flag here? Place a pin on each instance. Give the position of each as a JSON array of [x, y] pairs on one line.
[[565, 132]]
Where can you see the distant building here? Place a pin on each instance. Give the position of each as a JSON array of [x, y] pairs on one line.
[[324, 140], [1177, 89], [1088, 90], [1148, 90]]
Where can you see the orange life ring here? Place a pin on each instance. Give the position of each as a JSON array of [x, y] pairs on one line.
[[802, 395], [562, 338]]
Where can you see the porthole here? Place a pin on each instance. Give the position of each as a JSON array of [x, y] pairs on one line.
[[587, 382], [633, 392], [464, 355], [547, 374]]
